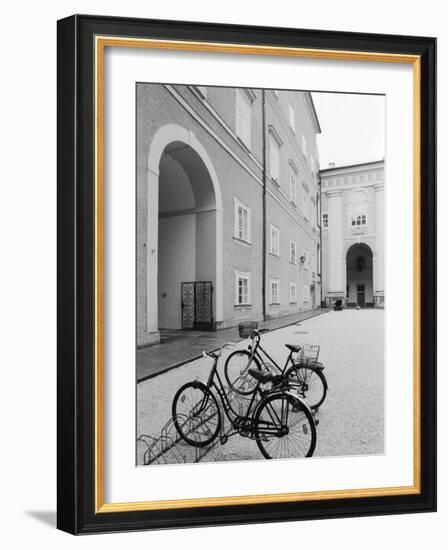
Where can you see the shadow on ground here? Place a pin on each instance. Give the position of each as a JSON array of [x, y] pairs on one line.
[[48, 517]]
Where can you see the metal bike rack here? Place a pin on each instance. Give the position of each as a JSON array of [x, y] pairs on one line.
[[170, 448]]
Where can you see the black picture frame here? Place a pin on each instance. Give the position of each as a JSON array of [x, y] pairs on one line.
[[76, 475]]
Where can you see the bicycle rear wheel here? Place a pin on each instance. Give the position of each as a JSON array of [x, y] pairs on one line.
[[196, 414], [284, 427], [311, 384], [236, 371]]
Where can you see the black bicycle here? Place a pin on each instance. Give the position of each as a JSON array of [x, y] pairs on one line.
[[282, 425], [301, 371]]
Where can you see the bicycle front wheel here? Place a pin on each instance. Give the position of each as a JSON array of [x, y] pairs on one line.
[[236, 371], [284, 427], [196, 414], [310, 382]]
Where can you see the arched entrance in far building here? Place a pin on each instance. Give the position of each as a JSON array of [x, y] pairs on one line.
[[184, 260], [359, 289]]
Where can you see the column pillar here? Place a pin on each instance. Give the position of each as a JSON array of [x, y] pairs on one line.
[[336, 277], [378, 289], [152, 259]]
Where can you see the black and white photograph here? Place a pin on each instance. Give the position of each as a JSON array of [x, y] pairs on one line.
[[260, 261]]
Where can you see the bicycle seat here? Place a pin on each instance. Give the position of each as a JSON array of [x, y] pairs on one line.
[[293, 347], [263, 377]]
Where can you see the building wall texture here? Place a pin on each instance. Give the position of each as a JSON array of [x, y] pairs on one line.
[[193, 170]]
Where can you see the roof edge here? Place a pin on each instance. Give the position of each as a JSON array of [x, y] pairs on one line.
[[334, 168]]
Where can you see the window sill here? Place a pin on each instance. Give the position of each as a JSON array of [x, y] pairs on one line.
[[275, 255], [274, 304], [242, 241], [293, 303], [292, 263], [242, 306]]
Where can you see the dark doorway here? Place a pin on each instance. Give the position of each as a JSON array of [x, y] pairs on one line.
[[361, 292]]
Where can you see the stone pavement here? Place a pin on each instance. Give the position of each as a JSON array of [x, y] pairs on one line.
[[351, 420], [181, 346]]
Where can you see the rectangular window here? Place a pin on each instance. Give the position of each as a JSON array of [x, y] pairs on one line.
[[242, 288], [243, 124], [305, 203], [306, 293], [304, 146], [275, 291], [313, 214], [293, 251], [242, 216], [274, 159], [292, 118], [293, 293], [306, 258], [292, 185], [275, 241], [325, 220]]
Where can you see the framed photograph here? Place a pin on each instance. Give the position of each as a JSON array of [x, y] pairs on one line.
[[246, 274]]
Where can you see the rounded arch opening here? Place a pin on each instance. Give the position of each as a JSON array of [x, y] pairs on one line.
[[184, 226], [359, 263]]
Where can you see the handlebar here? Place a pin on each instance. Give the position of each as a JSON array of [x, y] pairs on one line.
[[216, 355], [258, 332]]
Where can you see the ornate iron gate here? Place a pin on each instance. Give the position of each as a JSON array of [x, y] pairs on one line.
[[197, 305]]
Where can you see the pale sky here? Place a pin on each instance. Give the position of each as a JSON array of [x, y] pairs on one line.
[[353, 128]]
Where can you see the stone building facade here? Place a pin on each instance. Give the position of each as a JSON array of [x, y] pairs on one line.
[[228, 207], [353, 235]]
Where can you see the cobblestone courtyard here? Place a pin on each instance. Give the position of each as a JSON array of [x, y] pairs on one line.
[[351, 420]]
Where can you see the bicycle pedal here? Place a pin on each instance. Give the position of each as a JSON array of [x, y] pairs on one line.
[[316, 421], [223, 439]]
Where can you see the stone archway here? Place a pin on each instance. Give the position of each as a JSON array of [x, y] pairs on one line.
[[184, 226], [359, 281]]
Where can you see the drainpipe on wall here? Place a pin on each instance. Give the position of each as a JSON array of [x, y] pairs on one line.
[[263, 123]]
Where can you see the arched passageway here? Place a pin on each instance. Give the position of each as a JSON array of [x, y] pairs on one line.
[[359, 289], [187, 240]]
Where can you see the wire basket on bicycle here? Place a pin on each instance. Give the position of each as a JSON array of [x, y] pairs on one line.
[[247, 329], [308, 355]]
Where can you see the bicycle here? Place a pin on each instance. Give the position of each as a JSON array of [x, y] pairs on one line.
[[282, 425], [301, 370]]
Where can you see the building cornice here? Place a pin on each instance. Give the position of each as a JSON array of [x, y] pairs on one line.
[[315, 118], [334, 193], [350, 167]]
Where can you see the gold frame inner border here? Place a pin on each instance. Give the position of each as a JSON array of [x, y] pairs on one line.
[[101, 42]]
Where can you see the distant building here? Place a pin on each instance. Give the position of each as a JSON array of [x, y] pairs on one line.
[[228, 207], [353, 234]]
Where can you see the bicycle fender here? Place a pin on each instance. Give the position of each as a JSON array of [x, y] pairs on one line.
[[297, 398], [198, 384]]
